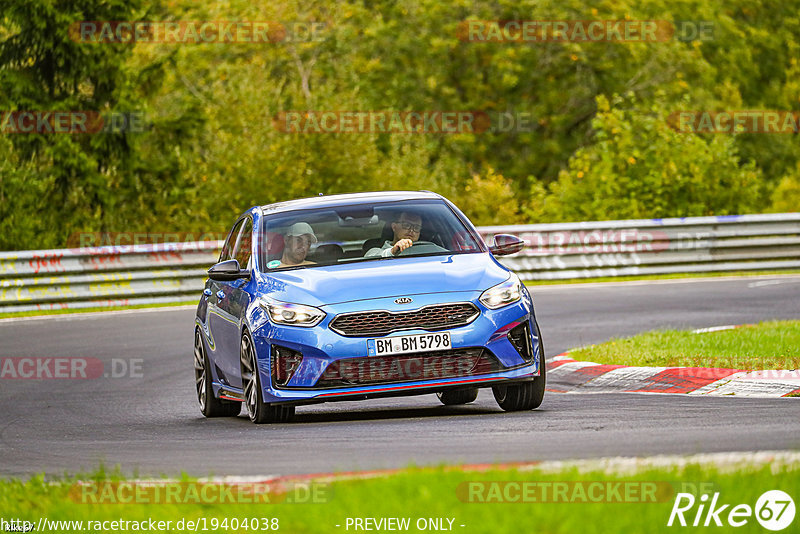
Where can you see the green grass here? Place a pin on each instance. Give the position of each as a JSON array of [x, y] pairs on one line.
[[444, 493], [676, 276], [767, 345], [38, 313]]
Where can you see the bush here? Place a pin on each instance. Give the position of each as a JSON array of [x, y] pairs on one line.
[[639, 167], [786, 197]]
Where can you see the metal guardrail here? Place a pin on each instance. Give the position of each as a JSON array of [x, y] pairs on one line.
[[149, 274], [104, 276], [654, 246]]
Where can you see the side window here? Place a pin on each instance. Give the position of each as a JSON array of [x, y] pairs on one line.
[[227, 247], [245, 246]]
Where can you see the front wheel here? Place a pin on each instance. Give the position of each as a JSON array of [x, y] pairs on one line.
[[210, 406], [523, 396], [259, 411], [458, 396]]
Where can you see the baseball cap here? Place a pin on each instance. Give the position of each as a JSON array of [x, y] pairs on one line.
[[301, 228]]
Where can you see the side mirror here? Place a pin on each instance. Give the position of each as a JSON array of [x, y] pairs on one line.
[[505, 244], [227, 270]]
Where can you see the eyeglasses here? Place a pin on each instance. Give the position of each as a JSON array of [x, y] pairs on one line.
[[305, 239], [410, 226]]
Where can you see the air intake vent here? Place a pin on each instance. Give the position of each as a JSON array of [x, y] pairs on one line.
[[520, 337]]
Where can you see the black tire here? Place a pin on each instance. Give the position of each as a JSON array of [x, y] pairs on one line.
[[259, 411], [210, 406], [458, 396], [525, 395]]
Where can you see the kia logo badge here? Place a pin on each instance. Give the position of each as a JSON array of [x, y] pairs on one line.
[[402, 300]]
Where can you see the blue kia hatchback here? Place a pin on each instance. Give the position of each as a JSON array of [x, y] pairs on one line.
[[359, 296]]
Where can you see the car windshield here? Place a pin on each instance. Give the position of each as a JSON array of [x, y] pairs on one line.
[[363, 232]]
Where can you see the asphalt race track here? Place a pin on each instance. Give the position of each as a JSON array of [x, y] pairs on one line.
[[151, 424]]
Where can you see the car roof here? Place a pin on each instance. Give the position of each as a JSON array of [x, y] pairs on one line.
[[332, 201]]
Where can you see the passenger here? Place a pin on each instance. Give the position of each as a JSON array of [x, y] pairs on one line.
[[297, 242], [406, 230]]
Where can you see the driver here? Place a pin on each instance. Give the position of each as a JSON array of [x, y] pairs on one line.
[[297, 242], [406, 230]]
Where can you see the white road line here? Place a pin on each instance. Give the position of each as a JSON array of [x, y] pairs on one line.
[[629, 465], [558, 287], [714, 329], [763, 283], [95, 315]]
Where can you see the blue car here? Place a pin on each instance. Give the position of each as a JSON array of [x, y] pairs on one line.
[[360, 296]]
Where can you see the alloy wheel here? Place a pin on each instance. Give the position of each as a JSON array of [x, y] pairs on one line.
[[200, 370], [249, 378]]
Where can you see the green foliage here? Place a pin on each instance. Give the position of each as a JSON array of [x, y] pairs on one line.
[[489, 199], [211, 149], [21, 191], [640, 167], [54, 185], [786, 197]]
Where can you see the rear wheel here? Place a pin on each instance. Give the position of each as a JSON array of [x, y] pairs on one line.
[[458, 396], [525, 395], [210, 406], [259, 411]]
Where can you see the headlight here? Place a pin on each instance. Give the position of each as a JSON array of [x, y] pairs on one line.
[[502, 294], [286, 313]]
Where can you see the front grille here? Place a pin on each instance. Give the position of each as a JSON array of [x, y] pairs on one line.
[[381, 322], [408, 368]]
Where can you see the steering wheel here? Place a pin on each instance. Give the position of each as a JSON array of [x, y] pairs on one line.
[[422, 247]]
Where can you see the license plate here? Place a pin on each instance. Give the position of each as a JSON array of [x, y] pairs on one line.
[[404, 344]]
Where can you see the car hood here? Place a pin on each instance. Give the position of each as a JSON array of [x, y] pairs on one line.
[[334, 284]]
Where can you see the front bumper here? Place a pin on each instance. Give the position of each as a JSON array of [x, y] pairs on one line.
[[321, 347]]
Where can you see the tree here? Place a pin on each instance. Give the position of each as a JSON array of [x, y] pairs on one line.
[[82, 181], [640, 167]]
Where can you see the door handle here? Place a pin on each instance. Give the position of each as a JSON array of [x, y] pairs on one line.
[[220, 294]]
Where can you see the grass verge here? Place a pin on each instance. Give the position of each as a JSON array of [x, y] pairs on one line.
[[491, 501], [767, 345]]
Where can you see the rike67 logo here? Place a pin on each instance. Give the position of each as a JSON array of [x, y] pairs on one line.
[[774, 510]]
